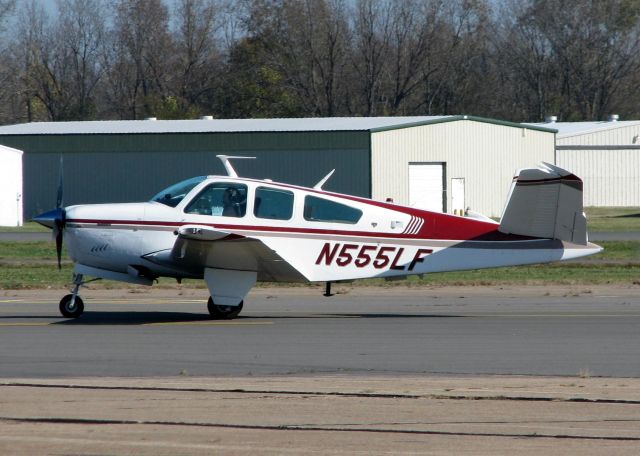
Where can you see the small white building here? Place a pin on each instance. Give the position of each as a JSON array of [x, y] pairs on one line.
[[606, 155], [10, 186]]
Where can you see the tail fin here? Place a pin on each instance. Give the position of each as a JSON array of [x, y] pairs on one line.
[[545, 202]]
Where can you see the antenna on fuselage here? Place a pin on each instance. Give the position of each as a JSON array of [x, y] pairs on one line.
[[227, 164], [324, 180]]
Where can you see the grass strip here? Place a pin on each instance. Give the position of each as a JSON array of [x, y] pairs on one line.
[[28, 227], [37, 250], [613, 219], [31, 265]]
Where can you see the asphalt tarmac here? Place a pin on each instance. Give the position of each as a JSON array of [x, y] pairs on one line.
[[367, 371], [362, 331]]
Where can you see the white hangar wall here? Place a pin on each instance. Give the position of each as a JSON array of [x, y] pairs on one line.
[[611, 176], [606, 155], [485, 154], [619, 133]]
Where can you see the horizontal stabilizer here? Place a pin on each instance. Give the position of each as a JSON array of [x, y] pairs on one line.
[[545, 202]]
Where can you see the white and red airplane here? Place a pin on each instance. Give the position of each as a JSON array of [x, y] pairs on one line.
[[233, 231]]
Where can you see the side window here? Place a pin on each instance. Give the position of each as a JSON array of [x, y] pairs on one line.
[[225, 199], [271, 203], [322, 210]]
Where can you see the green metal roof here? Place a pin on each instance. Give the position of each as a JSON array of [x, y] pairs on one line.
[[443, 119], [299, 125]]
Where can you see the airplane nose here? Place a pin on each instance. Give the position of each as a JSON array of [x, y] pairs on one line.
[[49, 218]]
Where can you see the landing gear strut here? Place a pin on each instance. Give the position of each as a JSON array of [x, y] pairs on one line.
[[327, 290], [71, 305], [220, 312]]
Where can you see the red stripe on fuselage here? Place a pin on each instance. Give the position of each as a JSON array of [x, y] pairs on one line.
[[445, 231]]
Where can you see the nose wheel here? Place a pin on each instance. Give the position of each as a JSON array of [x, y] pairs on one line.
[[219, 312], [71, 306]]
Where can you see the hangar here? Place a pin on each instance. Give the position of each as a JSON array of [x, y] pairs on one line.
[[606, 155], [444, 163]]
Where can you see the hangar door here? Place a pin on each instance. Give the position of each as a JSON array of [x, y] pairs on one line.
[[427, 186], [457, 196]]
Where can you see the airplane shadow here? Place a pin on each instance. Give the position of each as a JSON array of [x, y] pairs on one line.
[[133, 318], [149, 318]]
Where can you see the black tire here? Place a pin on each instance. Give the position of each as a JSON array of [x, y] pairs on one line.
[[218, 312], [71, 312]]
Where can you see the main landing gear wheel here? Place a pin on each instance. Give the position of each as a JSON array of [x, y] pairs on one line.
[[219, 312], [70, 308]]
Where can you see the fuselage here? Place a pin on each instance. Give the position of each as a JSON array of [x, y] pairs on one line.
[[325, 236]]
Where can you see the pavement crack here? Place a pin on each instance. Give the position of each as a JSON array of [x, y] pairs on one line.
[[330, 393], [285, 427]]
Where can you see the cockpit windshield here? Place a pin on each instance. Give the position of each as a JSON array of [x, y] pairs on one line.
[[172, 196]]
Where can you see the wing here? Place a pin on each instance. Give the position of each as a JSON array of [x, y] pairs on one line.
[[198, 247]]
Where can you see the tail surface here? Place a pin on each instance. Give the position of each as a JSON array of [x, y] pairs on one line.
[[546, 202]]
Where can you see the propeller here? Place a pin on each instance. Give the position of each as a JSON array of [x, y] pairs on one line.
[[56, 218]]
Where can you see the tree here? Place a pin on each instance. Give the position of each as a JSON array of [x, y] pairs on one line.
[[80, 34], [526, 65], [371, 35], [306, 41], [61, 58], [459, 75], [138, 67], [576, 56], [253, 88], [9, 67], [417, 55], [32, 41], [128, 59], [196, 56]]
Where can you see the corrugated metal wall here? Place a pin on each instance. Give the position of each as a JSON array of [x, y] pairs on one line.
[[611, 176], [609, 164], [615, 135], [120, 168], [485, 154]]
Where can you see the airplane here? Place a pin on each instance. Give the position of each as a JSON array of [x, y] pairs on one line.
[[233, 231]]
